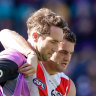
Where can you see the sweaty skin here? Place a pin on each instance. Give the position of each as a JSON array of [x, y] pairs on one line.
[[62, 56]]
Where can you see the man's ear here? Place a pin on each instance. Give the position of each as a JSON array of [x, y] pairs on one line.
[[35, 36]]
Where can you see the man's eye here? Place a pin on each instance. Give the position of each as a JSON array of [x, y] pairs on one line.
[[63, 52], [54, 41]]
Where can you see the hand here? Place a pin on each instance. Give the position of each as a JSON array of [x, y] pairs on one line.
[[29, 68]]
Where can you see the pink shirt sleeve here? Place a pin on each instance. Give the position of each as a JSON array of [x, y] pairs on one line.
[[13, 55]]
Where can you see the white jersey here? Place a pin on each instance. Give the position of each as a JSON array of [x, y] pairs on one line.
[[43, 84]]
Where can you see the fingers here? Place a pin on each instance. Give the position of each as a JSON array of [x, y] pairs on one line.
[[27, 69], [29, 73], [30, 67], [24, 65]]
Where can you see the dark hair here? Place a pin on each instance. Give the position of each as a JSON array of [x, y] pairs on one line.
[[42, 19], [69, 35]]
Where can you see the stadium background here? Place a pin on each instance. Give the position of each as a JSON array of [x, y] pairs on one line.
[[81, 17]]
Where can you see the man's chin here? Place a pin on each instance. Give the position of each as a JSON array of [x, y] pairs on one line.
[[45, 59]]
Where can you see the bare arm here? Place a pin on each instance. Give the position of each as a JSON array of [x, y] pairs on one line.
[[11, 39], [72, 90]]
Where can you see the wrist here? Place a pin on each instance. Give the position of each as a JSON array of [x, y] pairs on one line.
[[30, 53]]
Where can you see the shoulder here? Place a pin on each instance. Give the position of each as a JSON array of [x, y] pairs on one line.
[[65, 81], [63, 75], [13, 55], [72, 90], [68, 83]]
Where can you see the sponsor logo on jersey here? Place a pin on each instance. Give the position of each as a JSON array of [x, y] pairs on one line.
[[39, 83], [55, 93]]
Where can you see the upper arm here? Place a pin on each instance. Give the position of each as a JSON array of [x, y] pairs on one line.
[[11, 39], [5, 38], [72, 90]]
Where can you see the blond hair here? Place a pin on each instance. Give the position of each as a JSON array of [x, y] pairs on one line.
[[42, 19]]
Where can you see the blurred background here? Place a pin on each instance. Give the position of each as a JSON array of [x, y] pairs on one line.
[[81, 17]]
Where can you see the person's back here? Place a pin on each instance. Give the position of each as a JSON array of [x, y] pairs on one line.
[[10, 60]]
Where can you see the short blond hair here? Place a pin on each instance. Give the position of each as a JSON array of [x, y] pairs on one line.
[[42, 19]]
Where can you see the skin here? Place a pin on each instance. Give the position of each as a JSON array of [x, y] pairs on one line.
[[46, 45], [61, 58], [59, 62], [72, 90], [11, 39]]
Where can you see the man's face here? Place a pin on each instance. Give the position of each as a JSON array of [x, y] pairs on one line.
[[48, 44], [63, 56]]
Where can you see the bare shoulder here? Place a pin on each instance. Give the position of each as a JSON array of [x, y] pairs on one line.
[[72, 90], [5, 30]]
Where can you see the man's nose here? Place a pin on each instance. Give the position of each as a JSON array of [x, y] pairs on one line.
[[55, 48], [67, 57]]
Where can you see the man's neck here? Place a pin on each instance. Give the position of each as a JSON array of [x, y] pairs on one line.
[[33, 47], [49, 68]]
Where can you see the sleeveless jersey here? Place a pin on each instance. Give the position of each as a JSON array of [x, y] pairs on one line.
[[41, 83], [44, 84]]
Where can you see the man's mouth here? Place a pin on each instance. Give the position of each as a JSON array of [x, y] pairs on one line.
[[50, 54], [64, 64]]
